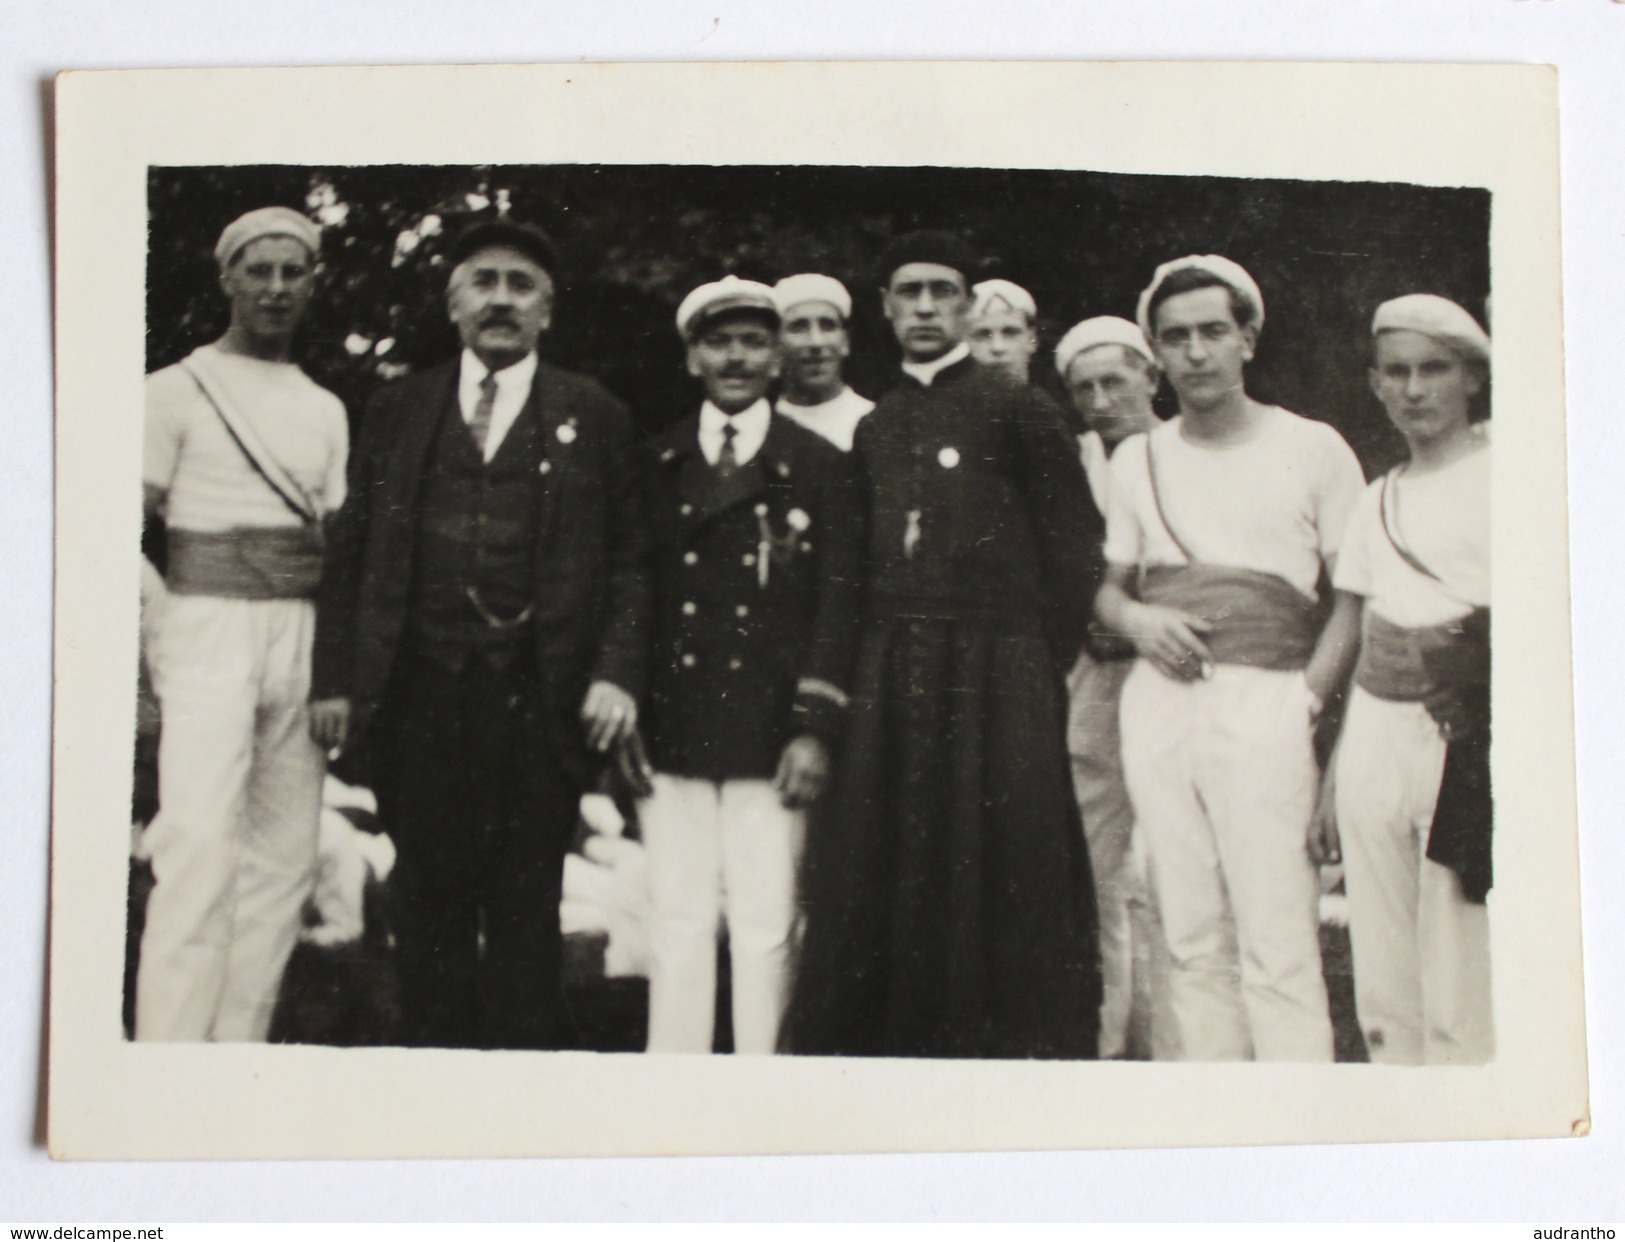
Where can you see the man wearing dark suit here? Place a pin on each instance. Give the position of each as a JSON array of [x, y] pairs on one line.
[[758, 567], [483, 631]]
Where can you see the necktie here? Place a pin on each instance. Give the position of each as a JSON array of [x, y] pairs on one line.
[[479, 425], [728, 459]]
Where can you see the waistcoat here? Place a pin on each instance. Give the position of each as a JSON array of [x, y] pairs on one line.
[[477, 531]]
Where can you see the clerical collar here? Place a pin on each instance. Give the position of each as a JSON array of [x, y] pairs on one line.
[[925, 372]]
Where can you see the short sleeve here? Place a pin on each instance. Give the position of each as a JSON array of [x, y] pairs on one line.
[[338, 456], [165, 427], [1125, 539], [1353, 572], [1341, 482]]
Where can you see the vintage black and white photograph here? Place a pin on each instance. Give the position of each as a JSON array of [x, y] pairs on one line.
[[913, 612]]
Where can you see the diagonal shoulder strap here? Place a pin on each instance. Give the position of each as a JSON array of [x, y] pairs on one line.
[[1389, 505], [249, 444], [1156, 500]]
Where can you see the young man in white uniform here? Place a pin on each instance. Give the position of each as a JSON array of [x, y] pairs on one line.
[[1111, 376], [1221, 522], [1417, 556], [813, 345], [244, 457], [1003, 327]]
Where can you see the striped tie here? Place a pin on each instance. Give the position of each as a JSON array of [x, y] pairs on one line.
[[479, 424]]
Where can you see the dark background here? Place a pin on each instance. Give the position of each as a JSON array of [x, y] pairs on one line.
[[634, 239]]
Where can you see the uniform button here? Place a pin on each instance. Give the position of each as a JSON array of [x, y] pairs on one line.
[[691, 558], [735, 663], [743, 610], [688, 659], [685, 509], [689, 608], [749, 558]]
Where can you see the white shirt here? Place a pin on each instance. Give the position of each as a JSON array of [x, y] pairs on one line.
[[513, 390], [1444, 520], [1097, 465], [836, 419], [925, 372], [209, 484], [1277, 503], [750, 427]]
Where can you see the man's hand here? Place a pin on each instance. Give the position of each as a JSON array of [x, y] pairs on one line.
[[609, 714], [803, 771], [1171, 639], [330, 723], [1325, 845]]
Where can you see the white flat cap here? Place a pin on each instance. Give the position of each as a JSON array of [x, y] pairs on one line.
[[985, 294], [811, 287], [1227, 270], [1101, 330], [267, 222], [1437, 317], [721, 296]]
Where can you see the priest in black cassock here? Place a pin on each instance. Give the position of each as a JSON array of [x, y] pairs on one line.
[[947, 894]]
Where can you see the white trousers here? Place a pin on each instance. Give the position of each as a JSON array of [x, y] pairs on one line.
[[714, 852], [234, 843], [1421, 950], [1133, 960], [1222, 776]]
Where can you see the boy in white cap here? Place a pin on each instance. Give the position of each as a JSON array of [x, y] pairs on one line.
[[1411, 775], [244, 458], [1111, 376], [1221, 523], [1003, 327], [758, 569], [813, 344]]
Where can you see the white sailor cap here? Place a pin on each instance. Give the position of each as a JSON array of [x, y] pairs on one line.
[[267, 222], [1437, 317], [1229, 271], [721, 296], [985, 294], [1101, 330], [811, 287]]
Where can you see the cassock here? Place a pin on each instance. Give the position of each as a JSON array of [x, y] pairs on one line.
[[947, 894]]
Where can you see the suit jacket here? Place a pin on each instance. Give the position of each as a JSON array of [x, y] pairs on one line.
[[746, 655], [592, 587]]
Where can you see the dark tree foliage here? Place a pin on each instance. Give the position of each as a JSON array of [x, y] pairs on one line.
[[634, 240]]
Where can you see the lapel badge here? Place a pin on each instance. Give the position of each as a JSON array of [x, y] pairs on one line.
[[567, 432], [784, 471], [798, 520], [948, 458], [668, 455], [545, 468]]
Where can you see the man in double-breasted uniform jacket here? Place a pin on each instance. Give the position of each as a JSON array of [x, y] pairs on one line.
[[483, 633], [758, 557]]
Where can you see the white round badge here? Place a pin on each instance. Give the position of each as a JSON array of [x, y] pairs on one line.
[[567, 433], [948, 457]]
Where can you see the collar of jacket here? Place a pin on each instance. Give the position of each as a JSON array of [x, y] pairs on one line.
[[683, 442]]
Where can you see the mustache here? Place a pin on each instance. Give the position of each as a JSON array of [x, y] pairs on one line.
[[498, 319]]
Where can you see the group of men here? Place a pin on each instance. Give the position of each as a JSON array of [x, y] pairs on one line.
[[952, 718]]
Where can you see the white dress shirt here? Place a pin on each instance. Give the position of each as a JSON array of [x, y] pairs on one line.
[[925, 372], [513, 390], [750, 427]]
